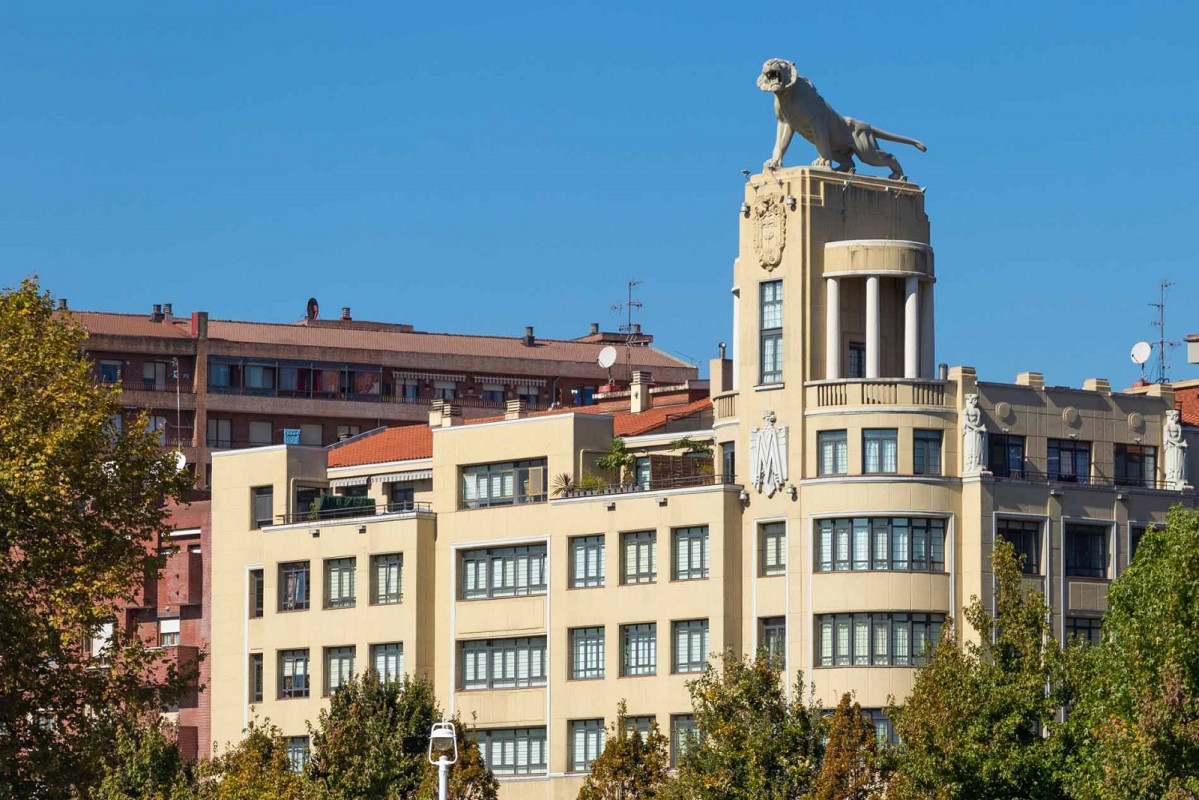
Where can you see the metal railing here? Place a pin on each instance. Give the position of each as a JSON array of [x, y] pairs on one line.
[[362, 512], [1104, 481], [653, 485]]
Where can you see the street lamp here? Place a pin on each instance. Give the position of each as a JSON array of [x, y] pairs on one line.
[[442, 739]]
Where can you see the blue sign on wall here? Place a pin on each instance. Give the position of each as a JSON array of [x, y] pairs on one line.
[[291, 436]]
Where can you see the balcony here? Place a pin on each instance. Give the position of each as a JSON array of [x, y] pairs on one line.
[[1096, 481], [879, 392], [362, 512], [724, 406], [652, 485], [181, 582]]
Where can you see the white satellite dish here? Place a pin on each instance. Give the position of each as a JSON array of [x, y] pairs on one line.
[[1141, 352], [180, 461], [607, 357]]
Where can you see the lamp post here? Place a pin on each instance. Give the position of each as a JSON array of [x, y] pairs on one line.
[[443, 740]]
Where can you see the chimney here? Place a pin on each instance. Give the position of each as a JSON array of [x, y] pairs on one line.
[[594, 328], [62, 304], [168, 309], [943, 371], [639, 396], [515, 410], [450, 415], [636, 328], [1101, 385], [345, 314], [199, 324], [1034, 380], [436, 411], [156, 314], [529, 339]]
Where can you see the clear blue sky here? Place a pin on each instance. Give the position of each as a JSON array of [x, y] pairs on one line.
[[481, 167]]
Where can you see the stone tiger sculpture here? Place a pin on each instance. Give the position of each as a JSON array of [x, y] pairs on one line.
[[800, 109]]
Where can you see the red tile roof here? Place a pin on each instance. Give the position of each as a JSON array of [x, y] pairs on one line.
[[126, 325], [1186, 400]]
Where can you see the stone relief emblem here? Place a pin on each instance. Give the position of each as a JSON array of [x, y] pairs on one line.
[[974, 438], [770, 230], [1176, 451], [768, 455]]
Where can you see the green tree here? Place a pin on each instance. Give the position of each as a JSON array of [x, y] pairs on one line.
[[618, 460], [145, 764], [974, 724], [81, 518], [469, 778], [256, 768], [1137, 714], [631, 766], [754, 742], [853, 767]]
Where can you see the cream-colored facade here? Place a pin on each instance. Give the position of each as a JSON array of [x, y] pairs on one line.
[[852, 545]]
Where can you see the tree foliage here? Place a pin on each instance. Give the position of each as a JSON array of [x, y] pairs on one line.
[[1136, 720], [81, 518], [145, 764], [631, 765], [256, 768], [853, 767]]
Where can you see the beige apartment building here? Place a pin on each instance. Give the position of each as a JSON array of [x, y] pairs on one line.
[[836, 500]]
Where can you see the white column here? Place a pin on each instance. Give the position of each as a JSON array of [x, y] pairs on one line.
[[911, 328], [832, 329], [873, 342], [928, 352]]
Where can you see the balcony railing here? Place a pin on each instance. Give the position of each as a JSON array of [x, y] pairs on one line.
[[185, 387], [355, 397], [656, 485], [879, 392], [725, 406], [360, 512], [1039, 476]]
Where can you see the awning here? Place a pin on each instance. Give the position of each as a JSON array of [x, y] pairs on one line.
[[509, 381], [426, 376], [338, 483], [403, 477]]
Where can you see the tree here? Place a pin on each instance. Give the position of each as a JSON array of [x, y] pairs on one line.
[[853, 767], [1136, 719], [975, 724], [470, 778], [618, 460], [754, 743], [81, 518], [630, 766], [145, 764], [257, 768]]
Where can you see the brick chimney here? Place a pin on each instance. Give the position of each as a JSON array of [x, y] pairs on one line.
[[156, 314], [639, 396], [529, 338], [515, 410], [199, 324], [62, 304], [594, 328], [345, 314], [168, 309]]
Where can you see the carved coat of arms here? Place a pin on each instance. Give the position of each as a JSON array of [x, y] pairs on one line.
[[770, 230]]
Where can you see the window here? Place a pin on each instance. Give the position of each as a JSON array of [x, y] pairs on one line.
[[1006, 455], [168, 632], [771, 326], [1136, 465], [262, 506], [926, 452], [728, 461], [834, 452], [110, 371], [312, 435], [503, 572], [513, 751], [261, 432], [1025, 536], [875, 639], [772, 639], [154, 375], [220, 375], [1069, 461], [880, 450], [256, 677], [902, 544], [691, 553], [1086, 550], [643, 471], [493, 393], [293, 586], [690, 645], [586, 653], [1135, 533], [857, 360], [1088, 629], [503, 484], [388, 660], [639, 560], [683, 735], [101, 641], [582, 396], [257, 593], [402, 496], [639, 649], [503, 663], [387, 579], [772, 537], [408, 389], [586, 562], [259, 379], [293, 673], [220, 433], [158, 426], [339, 667], [346, 431], [306, 496], [530, 395], [297, 752], [883, 727], [339, 582], [641, 725], [445, 390], [586, 743]]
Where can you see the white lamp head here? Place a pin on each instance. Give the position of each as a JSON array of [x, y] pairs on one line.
[[443, 741]]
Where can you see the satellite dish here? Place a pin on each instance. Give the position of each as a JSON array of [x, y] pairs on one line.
[[180, 461], [607, 357], [1141, 352], [313, 310]]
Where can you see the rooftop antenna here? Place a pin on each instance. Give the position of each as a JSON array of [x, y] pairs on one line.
[[629, 306], [1162, 343], [1141, 351]]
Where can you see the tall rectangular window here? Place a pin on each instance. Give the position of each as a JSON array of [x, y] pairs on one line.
[[257, 593], [1086, 550], [586, 562], [168, 632], [1005, 455], [639, 649], [586, 743], [1135, 465], [880, 543], [388, 660], [220, 433], [1025, 536], [262, 432], [683, 735], [297, 753], [857, 360], [880, 450], [339, 582], [639, 561], [586, 653], [497, 572], [256, 677], [294, 594], [690, 645], [728, 461], [1088, 629], [691, 553], [293, 673], [110, 371], [504, 484], [834, 452], [339, 667], [771, 327], [895, 639], [262, 506], [1135, 533], [772, 639], [387, 572], [513, 751], [1069, 461], [926, 452], [772, 538], [503, 663]]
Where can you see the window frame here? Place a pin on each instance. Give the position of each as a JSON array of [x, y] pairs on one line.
[[646, 550], [927, 442], [593, 734], [695, 538], [1080, 469], [299, 752], [593, 641], [257, 594], [532, 555], [1022, 528], [525, 476], [772, 631], [344, 654], [685, 660], [505, 655], [837, 442], [839, 638], [262, 499], [385, 650], [770, 339], [299, 655], [1073, 549], [342, 566], [285, 569], [1089, 629], [380, 566], [1143, 456], [257, 677], [883, 437], [880, 544], [489, 740], [772, 548], [588, 545], [683, 734], [633, 638]]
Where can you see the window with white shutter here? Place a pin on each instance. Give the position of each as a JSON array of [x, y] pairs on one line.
[[502, 663], [586, 562], [586, 653], [339, 582], [388, 660], [638, 557], [339, 667], [513, 751], [691, 553], [586, 743], [773, 543], [387, 578], [639, 649], [503, 572], [690, 645]]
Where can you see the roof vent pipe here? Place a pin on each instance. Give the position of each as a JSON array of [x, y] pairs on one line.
[[345, 314], [636, 328], [943, 371], [723, 349], [594, 328], [529, 339]]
